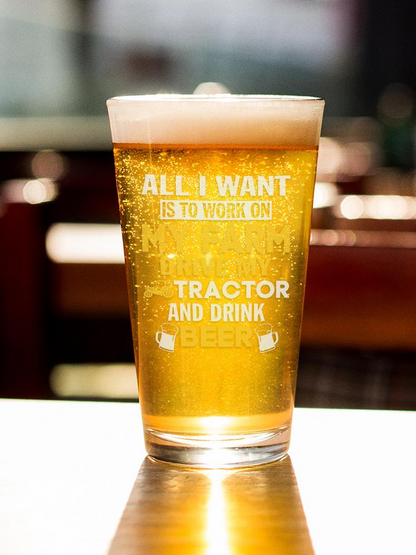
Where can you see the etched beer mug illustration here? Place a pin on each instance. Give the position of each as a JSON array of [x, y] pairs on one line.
[[166, 338], [215, 195], [267, 337]]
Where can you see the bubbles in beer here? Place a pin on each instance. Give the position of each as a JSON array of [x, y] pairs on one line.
[[215, 280]]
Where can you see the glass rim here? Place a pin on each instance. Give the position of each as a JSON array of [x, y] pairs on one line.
[[211, 98]]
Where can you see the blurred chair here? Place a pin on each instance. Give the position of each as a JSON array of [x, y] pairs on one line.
[[54, 312]]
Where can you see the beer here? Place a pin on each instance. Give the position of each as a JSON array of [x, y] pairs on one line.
[[216, 240]]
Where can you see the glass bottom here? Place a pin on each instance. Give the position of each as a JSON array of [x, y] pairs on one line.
[[218, 451]]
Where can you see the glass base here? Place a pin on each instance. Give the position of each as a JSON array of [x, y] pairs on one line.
[[219, 451]]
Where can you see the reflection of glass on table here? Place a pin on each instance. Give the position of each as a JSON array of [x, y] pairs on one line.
[[185, 511]]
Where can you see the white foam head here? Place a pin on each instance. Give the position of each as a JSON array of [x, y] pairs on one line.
[[219, 119]]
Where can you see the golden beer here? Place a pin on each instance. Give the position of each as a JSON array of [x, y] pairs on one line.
[[216, 240]]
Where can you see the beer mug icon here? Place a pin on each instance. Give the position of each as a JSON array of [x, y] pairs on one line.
[[166, 338], [267, 337]]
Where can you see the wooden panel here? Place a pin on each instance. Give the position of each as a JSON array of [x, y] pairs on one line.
[[89, 290], [361, 297], [22, 302], [356, 297]]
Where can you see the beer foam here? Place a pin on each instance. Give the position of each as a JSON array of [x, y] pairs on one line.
[[219, 119]]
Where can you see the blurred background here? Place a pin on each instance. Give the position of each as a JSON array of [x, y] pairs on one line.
[[64, 325]]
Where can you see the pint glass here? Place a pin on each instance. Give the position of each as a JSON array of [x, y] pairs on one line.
[[215, 196]]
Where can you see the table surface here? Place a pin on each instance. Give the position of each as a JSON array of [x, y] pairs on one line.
[[74, 479]]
